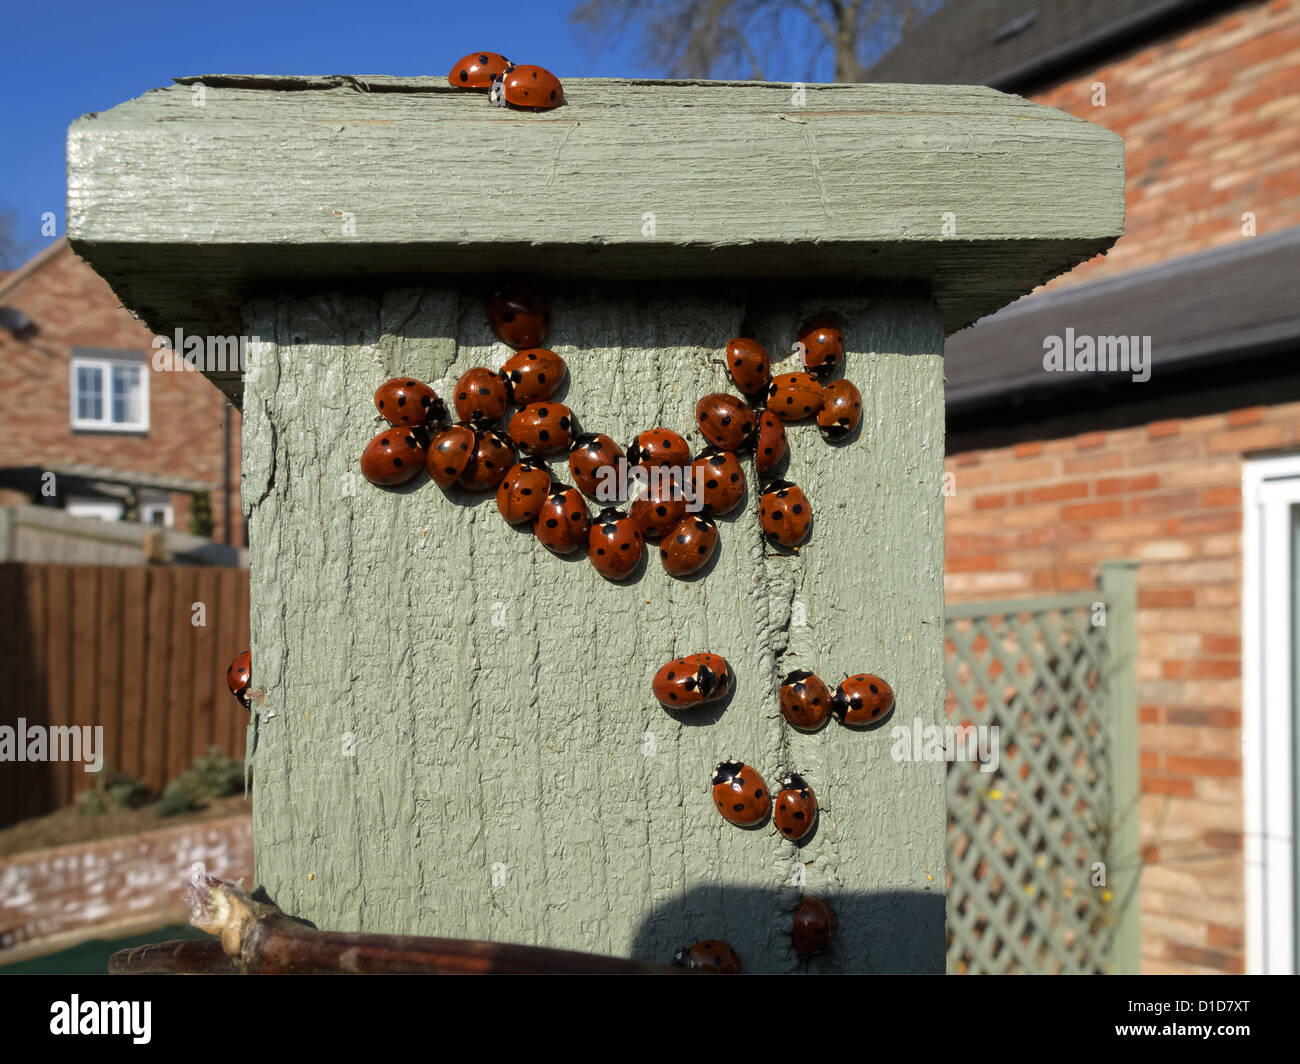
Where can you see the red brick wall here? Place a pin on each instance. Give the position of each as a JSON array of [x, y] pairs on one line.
[[1038, 517], [78, 887], [1208, 117], [73, 307]]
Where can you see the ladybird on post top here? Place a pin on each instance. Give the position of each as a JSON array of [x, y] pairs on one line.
[[519, 316], [692, 680], [477, 71], [527, 87], [822, 344], [740, 794], [796, 807], [239, 677], [861, 700], [711, 955], [409, 402], [394, 456]]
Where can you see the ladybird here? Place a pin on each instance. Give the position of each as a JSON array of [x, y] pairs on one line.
[[794, 396], [720, 480], [770, 448], [749, 366], [239, 677], [614, 544], [657, 507], [842, 411], [477, 70], [814, 927], [542, 428], [481, 397], [449, 454], [740, 794], [689, 546], [563, 522], [523, 491], [531, 87], [861, 700], [533, 375], [711, 955], [593, 461], [394, 456], [805, 700], [408, 402], [490, 460], [692, 681], [796, 807], [785, 513], [820, 345], [519, 316], [659, 447], [726, 422]]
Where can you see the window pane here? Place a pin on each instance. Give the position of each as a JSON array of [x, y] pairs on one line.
[[126, 395], [90, 393]]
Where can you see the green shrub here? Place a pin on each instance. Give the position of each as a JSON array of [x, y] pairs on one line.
[[212, 776], [175, 799], [113, 790]]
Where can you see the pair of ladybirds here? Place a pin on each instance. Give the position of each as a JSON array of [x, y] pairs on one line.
[[812, 931], [529, 88], [742, 798], [861, 700]]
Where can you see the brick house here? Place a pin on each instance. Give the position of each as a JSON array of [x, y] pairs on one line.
[[82, 400], [1189, 464]]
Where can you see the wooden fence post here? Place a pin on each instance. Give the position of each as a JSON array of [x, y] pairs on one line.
[[1118, 582], [458, 736]]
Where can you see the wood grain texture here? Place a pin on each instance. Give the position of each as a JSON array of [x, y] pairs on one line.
[[533, 747], [189, 211]]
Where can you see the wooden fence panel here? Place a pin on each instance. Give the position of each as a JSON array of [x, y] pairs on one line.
[[116, 647]]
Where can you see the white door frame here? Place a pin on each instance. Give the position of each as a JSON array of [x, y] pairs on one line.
[[1270, 487]]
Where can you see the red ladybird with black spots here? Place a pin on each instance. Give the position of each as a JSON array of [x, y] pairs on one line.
[[490, 460], [740, 794], [689, 546], [593, 461], [533, 375], [785, 513], [449, 454], [841, 412], [693, 680], [522, 493], [795, 811], [614, 544], [749, 366], [528, 87], [658, 506], [659, 447], [814, 927], [771, 445], [718, 475], [542, 428], [862, 700], [239, 677], [394, 456], [481, 397], [403, 401], [477, 71], [805, 700], [821, 345], [519, 315], [710, 955], [563, 523], [726, 422], [795, 396]]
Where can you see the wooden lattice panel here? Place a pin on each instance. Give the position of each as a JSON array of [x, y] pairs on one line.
[[1023, 839]]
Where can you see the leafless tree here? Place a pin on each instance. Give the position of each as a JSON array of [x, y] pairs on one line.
[[14, 251], [796, 40]]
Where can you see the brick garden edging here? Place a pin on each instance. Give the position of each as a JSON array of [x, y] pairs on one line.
[[67, 888]]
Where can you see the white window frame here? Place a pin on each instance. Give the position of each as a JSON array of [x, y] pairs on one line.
[[1270, 488], [105, 365], [156, 502]]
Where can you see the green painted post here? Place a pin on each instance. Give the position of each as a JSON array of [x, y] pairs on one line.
[[457, 735], [1118, 582]]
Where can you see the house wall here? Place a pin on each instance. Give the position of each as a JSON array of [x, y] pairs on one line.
[[73, 307], [1039, 517], [1208, 117]]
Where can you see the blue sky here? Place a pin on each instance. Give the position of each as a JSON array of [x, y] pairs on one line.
[[62, 61]]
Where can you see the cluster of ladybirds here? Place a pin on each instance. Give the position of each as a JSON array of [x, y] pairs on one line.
[[741, 795], [475, 453], [526, 87]]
